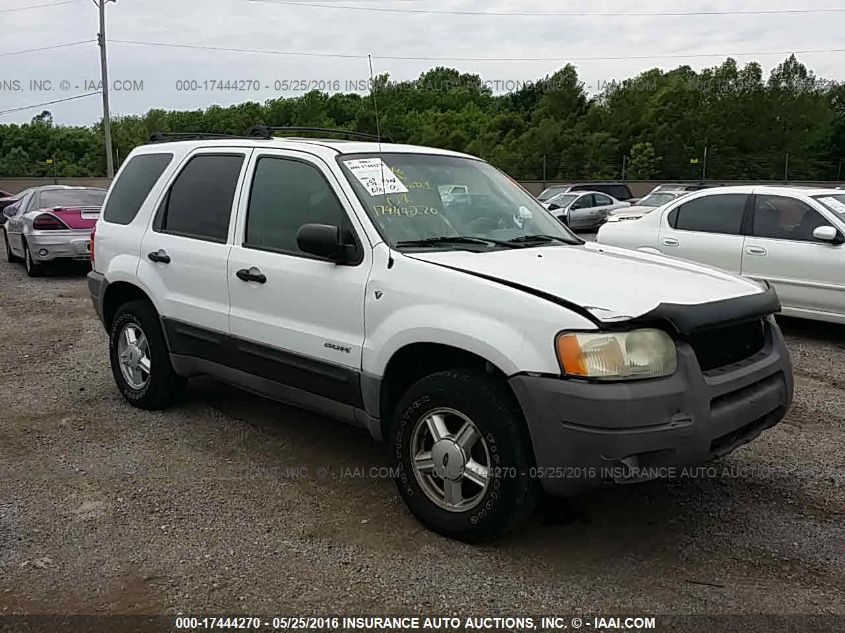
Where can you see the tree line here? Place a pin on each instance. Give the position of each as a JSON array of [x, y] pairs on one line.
[[659, 124]]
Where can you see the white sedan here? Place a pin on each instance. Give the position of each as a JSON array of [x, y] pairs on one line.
[[791, 237]]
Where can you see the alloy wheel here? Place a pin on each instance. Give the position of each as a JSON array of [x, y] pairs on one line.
[[450, 459], [133, 353]]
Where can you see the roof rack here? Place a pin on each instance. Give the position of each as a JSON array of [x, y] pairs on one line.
[[268, 131], [163, 137]]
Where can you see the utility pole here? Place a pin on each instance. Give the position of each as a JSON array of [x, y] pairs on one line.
[[704, 167], [104, 78], [545, 169], [786, 170], [624, 166]]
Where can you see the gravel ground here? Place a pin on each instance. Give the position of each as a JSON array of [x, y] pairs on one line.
[[203, 509]]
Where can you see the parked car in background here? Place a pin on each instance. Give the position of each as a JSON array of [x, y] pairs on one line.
[[586, 210], [489, 346], [5, 194], [645, 206], [685, 187], [619, 190], [791, 238], [52, 222]]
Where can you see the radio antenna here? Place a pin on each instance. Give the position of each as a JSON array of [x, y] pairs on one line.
[[375, 101]]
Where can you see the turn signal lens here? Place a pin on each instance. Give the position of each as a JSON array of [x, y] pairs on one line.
[[647, 353]]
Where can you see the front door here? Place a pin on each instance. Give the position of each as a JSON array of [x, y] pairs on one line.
[[808, 274], [296, 318]]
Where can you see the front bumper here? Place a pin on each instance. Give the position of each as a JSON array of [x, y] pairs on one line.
[[46, 246], [584, 433]]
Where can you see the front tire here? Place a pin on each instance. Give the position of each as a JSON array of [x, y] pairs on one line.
[[33, 268], [140, 360], [463, 456]]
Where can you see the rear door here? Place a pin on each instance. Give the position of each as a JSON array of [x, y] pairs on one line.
[[296, 318], [806, 273], [706, 230], [184, 253]]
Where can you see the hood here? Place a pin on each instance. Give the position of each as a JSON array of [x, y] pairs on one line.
[[611, 284]]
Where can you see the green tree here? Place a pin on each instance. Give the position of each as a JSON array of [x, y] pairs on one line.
[[643, 162]]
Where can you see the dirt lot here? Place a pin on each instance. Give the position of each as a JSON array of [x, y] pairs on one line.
[[202, 509]]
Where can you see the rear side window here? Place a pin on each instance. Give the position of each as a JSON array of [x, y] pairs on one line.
[[711, 214], [620, 192], [133, 186], [285, 195], [602, 200], [199, 203]]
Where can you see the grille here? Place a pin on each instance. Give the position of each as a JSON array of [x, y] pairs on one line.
[[727, 345]]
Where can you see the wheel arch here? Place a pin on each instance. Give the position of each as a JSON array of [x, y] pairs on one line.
[[119, 293], [413, 362]]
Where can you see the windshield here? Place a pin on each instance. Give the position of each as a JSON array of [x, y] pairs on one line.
[[834, 202], [402, 195], [551, 192], [71, 198], [657, 199], [562, 200]]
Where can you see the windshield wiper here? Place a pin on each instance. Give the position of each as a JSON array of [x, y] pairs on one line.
[[539, 238], [456, 239]]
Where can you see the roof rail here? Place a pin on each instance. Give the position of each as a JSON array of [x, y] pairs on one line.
[[163, 137], [268, 131]]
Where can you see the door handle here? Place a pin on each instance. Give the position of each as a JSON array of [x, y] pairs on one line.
[[755, 250], [670, 241], [251, 274], [159, 256]]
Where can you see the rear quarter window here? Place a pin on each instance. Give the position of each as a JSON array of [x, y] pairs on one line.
[[132, 187]]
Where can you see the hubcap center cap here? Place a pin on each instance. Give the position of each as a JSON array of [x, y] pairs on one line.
[[449, 460]]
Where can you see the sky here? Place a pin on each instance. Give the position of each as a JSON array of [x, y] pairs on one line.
[[524, 47]]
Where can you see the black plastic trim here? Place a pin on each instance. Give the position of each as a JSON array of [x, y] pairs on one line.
[[315, 376], [688, 319]]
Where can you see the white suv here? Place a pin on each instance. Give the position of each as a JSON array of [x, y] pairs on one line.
[[497, 353]]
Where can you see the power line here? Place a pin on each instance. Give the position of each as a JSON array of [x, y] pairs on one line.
[[568, 14], [46, 48], [39, 6], [561, 58], [46, 103], [237, 50]]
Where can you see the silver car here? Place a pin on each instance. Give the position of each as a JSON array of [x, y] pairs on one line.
[[49, 223], [652, 201], [583, 210]]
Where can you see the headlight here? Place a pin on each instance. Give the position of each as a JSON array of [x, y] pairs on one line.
[[646, 353]]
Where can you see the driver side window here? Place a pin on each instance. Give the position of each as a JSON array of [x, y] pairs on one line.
[[584, 202], [785, 218]]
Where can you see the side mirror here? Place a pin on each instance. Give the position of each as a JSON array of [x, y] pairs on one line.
[[326, 240], [826, 234], [10, 211]]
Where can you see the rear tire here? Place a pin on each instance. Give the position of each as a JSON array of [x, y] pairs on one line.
[[33, 268], [10, 256], [142, 369], [432, 473]]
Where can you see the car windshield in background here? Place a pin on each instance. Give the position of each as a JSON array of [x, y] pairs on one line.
[[401, 193], [657, 199], [834, 202], [562, 200], [551, 192], [72, 198]]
